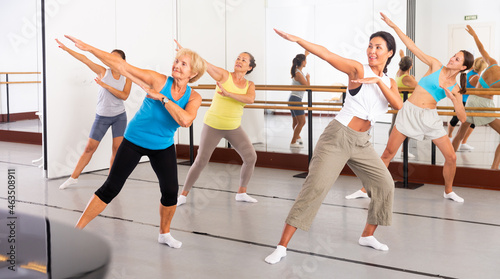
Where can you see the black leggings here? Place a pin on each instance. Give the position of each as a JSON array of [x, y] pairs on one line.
[[164, 163], [454, 121]]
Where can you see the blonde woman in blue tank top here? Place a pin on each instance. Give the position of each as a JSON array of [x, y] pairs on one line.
[[110, 111], [418, 118], [489, 78], [169, 104]]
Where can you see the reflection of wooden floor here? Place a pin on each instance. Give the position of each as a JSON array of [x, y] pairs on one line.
[[484, 139], [22, 131]]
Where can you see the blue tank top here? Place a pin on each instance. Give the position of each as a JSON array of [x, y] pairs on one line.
[[152, 126], [468, 85], [483, 82], [431, 84]]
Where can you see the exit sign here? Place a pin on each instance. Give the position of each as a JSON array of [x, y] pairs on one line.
[[470, 17]]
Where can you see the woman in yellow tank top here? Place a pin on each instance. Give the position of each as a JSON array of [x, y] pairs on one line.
[[223, 120]]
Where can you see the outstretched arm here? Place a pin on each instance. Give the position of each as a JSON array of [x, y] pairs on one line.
[[98, 69], [391, 94], [218, 74], [429, 60], [351, 67], [487, 58], [139, 76], [120, 94], [184, 117], [247, 98]]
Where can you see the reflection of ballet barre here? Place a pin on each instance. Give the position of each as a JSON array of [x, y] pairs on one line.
[[7, 82]]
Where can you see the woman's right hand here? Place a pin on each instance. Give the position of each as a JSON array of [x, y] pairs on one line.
[[78, 43], [287, 36], [308, 76], [387, 20]]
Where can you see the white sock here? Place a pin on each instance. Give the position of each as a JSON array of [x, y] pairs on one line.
[[371, 241], [453, 196], [357, 194], [166, 238], [277, 255], [181, 199], [68, 182], [244, 198]]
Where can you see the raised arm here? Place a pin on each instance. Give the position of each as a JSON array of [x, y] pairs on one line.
[[139, 76], [350, 67], [218, 74], [429, 60], [98, 69], [120, 94], [410, 81], [487, 58], [184, 117], [247, 98]]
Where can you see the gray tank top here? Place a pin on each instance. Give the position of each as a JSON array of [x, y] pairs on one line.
[[107, 103], [299, 94]]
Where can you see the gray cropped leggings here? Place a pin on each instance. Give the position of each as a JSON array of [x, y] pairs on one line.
[[337, 146], [210, 137]]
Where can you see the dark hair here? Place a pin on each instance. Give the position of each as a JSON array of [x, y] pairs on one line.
[[468, 63], [297, 61], [405, 63], [119, 51], [391, 44], [252, 62]]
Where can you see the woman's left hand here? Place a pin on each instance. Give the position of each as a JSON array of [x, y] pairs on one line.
[[366, 80], [449, 94], [387, 20], [99, 81], [152, 94], [223, 91]]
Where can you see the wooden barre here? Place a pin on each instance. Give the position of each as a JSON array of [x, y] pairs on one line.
[[342, 89], [19, 82], [287, 103], [18, 73]]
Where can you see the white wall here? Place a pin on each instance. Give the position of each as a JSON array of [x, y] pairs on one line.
[[18, 53]]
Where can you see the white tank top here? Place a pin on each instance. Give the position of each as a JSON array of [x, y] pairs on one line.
[[368, 103], [107, 103]]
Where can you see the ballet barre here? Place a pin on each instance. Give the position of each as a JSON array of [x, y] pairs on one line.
[[7, 82], [312, 106]]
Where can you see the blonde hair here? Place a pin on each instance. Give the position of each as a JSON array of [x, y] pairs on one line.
[[479, 65], [197, 63]]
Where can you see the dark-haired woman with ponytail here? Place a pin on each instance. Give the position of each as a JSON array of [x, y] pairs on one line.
[[346, 141], [298, 116], [418, 119]]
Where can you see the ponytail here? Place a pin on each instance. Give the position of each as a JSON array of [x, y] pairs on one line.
[[463, 83], [297, 61]]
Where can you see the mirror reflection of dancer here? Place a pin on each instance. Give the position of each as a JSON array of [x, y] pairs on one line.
[[223, 120], [403, 79], [110, 111], [298, 116], [419, 119], [170, 103], [490, 78], [472, 80], [346, 141]]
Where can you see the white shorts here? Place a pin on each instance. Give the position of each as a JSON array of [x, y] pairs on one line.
[[419, 123]]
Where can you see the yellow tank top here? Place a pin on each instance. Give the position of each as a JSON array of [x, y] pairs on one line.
[[224, 112], [399, 81]]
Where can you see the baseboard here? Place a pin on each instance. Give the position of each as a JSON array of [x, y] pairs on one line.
[[18, 116]]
